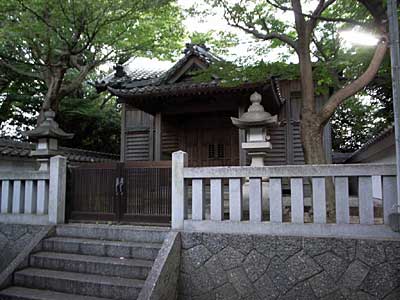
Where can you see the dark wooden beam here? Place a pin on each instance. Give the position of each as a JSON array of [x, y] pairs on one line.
[[157, 137]]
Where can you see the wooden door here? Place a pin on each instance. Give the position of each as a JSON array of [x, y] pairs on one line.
[[131, 192], [211, 146]]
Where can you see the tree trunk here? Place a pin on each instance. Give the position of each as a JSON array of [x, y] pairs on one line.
[[313, 148], [312, 138], [311, 128], [52, 97]]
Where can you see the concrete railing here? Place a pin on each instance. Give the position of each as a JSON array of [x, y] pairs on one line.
[[277, 215], [34, 197]]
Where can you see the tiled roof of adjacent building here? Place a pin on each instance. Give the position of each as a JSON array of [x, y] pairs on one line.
[[17, 149], [384, 133]]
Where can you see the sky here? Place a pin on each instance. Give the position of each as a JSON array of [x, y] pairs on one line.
[[217, 22]]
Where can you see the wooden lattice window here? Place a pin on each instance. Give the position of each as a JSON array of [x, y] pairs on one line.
[[211, 151], [220, 151], [216, 151]]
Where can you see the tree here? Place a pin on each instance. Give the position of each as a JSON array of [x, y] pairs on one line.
[[58, 43], [94, 119], [263, 20]]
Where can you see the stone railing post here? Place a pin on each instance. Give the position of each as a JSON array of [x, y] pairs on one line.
[[57, 189], [179, 200]]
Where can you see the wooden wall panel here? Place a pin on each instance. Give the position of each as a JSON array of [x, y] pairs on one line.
[[169, 139], [298, 155], [277, 155], [137, 118], [137, 145]]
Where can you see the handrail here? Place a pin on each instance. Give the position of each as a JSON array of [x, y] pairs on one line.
[[24, 175], [292, 171]]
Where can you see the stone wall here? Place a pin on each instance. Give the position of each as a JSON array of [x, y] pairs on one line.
[[162, 281], [218, 266], [13, 238]]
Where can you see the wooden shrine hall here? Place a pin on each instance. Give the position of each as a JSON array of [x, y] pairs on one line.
[[165, 110]]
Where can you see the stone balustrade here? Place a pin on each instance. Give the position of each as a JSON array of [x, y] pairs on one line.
[[276, 217], [34, 197]]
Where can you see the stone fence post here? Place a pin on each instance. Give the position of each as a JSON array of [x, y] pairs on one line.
[[57, 189], [179, 200]]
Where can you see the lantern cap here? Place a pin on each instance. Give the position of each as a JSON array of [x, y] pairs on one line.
[[255, 116], [48, 128]]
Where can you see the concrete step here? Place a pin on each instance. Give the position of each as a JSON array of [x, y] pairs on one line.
[[110, 266], [114, 232], [21, 293], [87, 246], [80, 284]]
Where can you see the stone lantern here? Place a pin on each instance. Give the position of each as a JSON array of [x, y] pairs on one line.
[[47, 135], [256, 121]]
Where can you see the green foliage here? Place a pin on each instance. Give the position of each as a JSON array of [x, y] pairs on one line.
[[353, 124], [96, 124], [218, 41], [232, 74], [48, 48], [40, 32], [335, 63]]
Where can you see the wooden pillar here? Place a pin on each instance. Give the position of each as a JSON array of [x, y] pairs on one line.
[[151, 140], [123, 132], [157, 137], [242, 138]]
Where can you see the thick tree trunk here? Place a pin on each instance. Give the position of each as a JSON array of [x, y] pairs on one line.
[[312, 139], [311, 124], [52, 98]]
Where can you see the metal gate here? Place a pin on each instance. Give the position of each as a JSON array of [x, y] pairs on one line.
[[138, 192]]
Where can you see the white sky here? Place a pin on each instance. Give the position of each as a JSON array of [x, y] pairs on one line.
[[216, 22]]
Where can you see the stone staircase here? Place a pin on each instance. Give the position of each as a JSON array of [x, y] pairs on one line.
[[88, 262]]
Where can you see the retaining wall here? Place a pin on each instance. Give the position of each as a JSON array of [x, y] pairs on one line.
[[14, 238], [229, 266]]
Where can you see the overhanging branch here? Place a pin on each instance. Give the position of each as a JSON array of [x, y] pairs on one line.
[[357, 85], [20, 71]]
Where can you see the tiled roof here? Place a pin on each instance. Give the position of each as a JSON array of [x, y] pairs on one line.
[[384, 133], [130, 85], [340, 157], [132, 76], [134, 73], [17, 149], [184, 89]]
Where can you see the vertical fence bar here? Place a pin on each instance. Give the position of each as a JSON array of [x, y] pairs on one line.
[[342, 200], [179, 200], [17, 200], [42, 197], [389, 197], [216, 200], [319, 200], [6, 196], [366, 204], [30, 197], [255, 199], [275, 200], [198, 199], [235, 199], [297, 200]]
